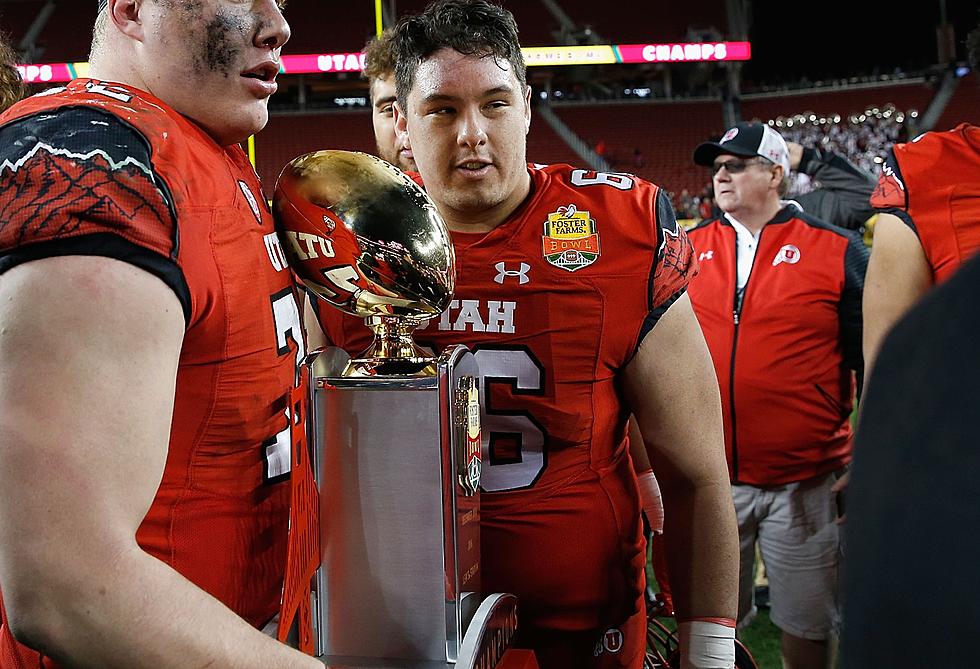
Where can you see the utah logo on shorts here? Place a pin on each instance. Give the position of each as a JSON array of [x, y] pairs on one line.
[[570, 240]]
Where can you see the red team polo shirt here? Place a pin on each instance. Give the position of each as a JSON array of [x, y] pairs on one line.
[[102, 169]]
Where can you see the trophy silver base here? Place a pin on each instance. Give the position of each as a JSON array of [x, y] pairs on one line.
[[336, 662], [399, 532], [487, 637]]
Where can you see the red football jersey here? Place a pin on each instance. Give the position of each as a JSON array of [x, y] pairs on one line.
[[933, 184], [554, 303], [102, 169]]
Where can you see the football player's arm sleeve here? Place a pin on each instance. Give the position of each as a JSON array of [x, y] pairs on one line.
[[81, 181], [674, 264], [898, 275], [890, 195], [849, 308], [670, 386], [86, 399]]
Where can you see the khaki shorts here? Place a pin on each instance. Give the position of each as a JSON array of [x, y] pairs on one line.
[[799, 544]]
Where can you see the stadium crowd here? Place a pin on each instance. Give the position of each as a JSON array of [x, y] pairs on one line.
[[862, 137]]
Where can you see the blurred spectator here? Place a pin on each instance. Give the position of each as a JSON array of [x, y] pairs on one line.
[[706, 208], [600, 148], [638, 161], [861, 138], [779, 301], [684, 205], [379, 68]]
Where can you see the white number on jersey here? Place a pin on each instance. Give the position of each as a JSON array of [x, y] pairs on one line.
[[591, 178], [519, 369], [285, 314]]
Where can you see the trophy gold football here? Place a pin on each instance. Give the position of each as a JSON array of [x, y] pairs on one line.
[[373, 246], [395, 431]]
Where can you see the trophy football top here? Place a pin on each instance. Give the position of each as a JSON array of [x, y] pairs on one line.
[[363, 236]]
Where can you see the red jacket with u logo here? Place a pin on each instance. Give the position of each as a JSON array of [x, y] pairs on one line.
[[785, 349]]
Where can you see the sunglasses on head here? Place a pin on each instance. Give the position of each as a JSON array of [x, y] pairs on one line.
[[735, 166]]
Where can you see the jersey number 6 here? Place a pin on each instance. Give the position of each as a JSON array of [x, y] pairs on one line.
[[514, 431]]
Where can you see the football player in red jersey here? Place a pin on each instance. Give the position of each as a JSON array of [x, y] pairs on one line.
[[927, 223], [379, 68], [926, 226], [148, 341], [570, 291]]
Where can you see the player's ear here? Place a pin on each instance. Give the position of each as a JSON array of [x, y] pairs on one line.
[[401, 122], [527, 109], [126, 15]]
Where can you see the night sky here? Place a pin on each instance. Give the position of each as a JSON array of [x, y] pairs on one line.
[[834, 39]]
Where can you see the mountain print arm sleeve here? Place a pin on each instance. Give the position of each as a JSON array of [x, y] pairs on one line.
[[81, 181]]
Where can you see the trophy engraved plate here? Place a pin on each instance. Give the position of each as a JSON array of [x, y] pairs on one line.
[[395, 432], [469, 439]]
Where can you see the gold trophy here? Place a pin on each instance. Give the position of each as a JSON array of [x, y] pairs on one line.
[[384, 251], [395, 432]]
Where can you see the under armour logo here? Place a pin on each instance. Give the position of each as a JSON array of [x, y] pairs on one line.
[[503, 272], [706, 255]]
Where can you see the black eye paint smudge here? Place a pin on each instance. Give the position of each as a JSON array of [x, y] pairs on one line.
[[227, 35]]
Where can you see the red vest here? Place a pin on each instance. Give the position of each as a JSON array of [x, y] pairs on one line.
[[780, 359]]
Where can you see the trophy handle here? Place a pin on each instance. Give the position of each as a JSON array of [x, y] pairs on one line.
[[489, 633], [393, 351]]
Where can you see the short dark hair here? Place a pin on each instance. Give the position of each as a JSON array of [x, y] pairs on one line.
[[470, 27], [12, 88], [379, 58]]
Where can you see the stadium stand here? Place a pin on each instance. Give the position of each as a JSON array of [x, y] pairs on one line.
[[905, 96], [630, 22], [345, 28], [664, 132], [289, 136], [964, 107], [652, 138], [537, 25], [544, 145], [61, 39], [16, 18]]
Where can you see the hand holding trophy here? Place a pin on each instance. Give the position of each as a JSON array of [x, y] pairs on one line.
[[396, 433]]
